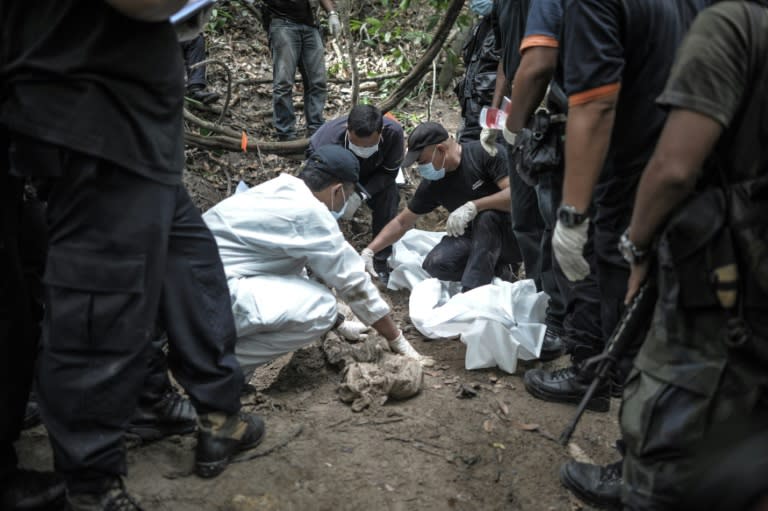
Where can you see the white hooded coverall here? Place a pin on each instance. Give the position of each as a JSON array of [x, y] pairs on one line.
[[266, 237]]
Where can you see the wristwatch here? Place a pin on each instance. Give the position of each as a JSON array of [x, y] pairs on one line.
[[629, 250], [569, 217]]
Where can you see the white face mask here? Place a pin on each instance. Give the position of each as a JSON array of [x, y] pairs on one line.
[[363, 152]]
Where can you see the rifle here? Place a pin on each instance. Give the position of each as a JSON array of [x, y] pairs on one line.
[[635, 320]]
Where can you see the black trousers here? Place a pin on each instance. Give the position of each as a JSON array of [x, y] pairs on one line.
[[477, 256], [527, 223], [549, 192], [194, 52], [383, 209], [22, 257], [121, 248]]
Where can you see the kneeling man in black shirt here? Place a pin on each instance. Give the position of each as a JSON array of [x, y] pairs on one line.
[[474, 187]]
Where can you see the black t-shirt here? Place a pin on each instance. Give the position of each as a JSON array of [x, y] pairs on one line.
[[81, 75], [626, 46], [509, 17], [298, 11], [378, 171], [719, 72], [476, 177]]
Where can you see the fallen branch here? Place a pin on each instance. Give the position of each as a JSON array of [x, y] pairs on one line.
[[272, 449]]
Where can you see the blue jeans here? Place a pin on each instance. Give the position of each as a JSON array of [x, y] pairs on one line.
[[296, 45]]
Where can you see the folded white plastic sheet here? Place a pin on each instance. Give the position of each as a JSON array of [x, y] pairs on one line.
[[499, 322]]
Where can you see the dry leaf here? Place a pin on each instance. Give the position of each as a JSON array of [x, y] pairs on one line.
[[504, 408], [488, 426], [528, 427]]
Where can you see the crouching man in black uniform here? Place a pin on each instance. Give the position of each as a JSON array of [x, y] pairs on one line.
[[100, 118], [474, 187]]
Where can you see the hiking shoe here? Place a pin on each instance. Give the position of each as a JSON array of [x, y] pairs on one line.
[[30, 489], [597, 486], [115, 498], [565, 385], [552, 347], [173, 414], [221, 436], [31, 415], [203, 95]]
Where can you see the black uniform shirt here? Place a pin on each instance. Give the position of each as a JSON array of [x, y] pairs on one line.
[[378, 171], [298, 11], [509, 24], [476, 177], [81, 75], [626, 46]]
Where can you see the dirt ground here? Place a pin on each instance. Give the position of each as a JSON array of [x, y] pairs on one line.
[[432, 452], [436, 451]]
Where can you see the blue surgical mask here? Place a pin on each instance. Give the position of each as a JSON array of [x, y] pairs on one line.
[[428, 170], [340, 213], [481, 7]]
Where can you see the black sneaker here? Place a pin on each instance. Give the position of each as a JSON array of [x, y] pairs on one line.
[[202, 94], [31, 415], [382, 270], [565, 385], [597, 486], [220, 437], [29, 489], [115, 498], [171, 415], [552, 347]]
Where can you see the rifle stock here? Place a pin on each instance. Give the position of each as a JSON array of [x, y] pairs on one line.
[[635, 320]]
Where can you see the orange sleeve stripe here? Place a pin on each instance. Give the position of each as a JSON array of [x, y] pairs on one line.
[[538, 40], [594, 94]]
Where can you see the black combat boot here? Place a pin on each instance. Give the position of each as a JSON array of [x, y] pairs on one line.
[[222, 436], [567, 385], [553, 345], [595, 485], [172, 414], [113, 498], [29, 489]]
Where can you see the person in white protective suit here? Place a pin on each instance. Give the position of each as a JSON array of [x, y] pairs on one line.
[[269, 235]]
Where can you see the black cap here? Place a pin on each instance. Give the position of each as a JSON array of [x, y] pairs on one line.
[[424, 135], [338, 162]]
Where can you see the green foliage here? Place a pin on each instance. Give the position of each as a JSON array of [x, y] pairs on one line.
[[220, 16]]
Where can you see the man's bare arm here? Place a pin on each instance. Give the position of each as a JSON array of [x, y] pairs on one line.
[[394, 230], [537, 67], [588, 135], [686, 140], [500, 201], [147, 10], [502, 88]]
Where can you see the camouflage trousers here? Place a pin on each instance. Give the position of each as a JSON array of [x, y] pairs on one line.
[[688, 401]]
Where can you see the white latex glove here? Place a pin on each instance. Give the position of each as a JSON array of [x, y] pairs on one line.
[[367, 255], [353, 203], [568, 245], [509, 136], [352, 330], [403, 347], [334, 25], [488, 140], [458, 220]]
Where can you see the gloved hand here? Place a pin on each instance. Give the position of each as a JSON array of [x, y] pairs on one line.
[[352, 330], [509, 136], [458, 220], [568, 245], [488, 140], [403, 347], [353, 203], [334, 25], [367, 255]]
